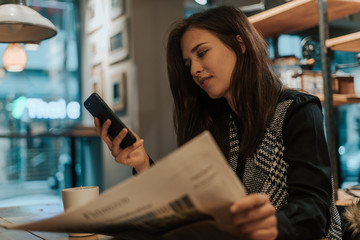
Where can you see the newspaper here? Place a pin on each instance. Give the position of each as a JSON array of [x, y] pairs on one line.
[[192, 185]]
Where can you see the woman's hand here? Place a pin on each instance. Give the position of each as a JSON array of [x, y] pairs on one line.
[[255, 217], [134, 155]]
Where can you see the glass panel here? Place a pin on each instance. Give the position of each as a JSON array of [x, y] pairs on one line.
[[40, 99]]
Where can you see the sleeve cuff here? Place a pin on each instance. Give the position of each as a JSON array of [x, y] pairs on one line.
[[134, 172]]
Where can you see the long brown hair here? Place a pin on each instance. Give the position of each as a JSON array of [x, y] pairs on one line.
[[255, 88]]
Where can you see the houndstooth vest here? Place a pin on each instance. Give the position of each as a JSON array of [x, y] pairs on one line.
[[266, 171]]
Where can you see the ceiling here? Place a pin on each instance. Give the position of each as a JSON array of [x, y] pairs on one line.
[[244, 5]]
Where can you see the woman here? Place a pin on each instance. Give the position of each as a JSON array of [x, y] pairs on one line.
[[273, 137]]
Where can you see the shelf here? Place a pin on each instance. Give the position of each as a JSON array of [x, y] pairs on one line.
[[342, 99], [299, 15], [348, 43]]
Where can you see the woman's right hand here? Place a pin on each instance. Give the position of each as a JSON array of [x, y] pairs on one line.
[[255, 217], [134, 155]]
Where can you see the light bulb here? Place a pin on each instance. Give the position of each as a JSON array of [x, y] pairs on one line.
[[32, 46], [14, 58], [201, 2]]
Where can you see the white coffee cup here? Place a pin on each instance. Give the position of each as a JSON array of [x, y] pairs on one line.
[[76, 197]]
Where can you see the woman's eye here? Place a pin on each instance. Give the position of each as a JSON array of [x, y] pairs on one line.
[[202, 53]]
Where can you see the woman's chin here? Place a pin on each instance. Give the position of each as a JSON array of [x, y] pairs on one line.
[[214, 96]]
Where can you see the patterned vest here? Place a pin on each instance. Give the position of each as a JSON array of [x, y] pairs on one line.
[[266, 171]]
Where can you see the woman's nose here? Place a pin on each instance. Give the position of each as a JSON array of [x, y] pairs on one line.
[[196, 68]]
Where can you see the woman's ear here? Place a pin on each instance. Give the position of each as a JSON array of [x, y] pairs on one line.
[[239, 39]]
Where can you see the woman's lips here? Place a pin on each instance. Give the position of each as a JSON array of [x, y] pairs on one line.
[[203, 81]]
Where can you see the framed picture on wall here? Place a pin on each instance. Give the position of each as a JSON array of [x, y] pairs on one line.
[[96, 47], [97, 79], [117, 8], [119, 79], [119, 41], [93, 15]]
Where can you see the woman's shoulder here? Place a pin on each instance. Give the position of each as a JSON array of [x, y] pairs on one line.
[[299, 98], [302, 105]]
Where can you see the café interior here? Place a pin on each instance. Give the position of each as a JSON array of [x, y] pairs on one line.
[[64, 50]]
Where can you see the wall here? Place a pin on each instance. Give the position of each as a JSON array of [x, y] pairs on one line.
[[148, 102], [151, 21]]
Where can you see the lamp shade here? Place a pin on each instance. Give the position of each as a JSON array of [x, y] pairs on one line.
[[21, 24]]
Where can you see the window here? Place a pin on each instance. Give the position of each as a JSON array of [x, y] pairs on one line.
[[42, 98]]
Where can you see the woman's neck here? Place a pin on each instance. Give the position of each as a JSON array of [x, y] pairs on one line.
[[231, 104]]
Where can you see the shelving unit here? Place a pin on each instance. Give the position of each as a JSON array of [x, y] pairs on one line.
[[348, 43], [299, 15], [341, 99]]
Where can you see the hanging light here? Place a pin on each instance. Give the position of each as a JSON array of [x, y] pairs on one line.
[[20, 23], [201, 2], [14, 58], [32, 46]]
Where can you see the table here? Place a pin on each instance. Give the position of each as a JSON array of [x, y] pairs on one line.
[[346, 199], [29, 213]]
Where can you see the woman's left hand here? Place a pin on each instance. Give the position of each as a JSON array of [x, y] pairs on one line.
[[255, 217]]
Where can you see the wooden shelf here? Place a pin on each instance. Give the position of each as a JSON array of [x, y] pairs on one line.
[[298, 15], [342, 99], [348, 43]]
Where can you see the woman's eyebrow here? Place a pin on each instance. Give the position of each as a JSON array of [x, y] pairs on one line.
[[197, 46], [194, 49]]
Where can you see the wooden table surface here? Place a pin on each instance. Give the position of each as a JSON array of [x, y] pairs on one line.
[[346, 198], [22, 214], [29, 213]]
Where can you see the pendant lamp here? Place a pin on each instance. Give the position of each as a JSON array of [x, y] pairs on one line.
[[21, 24]]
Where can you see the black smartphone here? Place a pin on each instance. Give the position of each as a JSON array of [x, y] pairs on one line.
[[98, 108]]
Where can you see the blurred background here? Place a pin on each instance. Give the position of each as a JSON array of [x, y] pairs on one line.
[[117, 49]]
